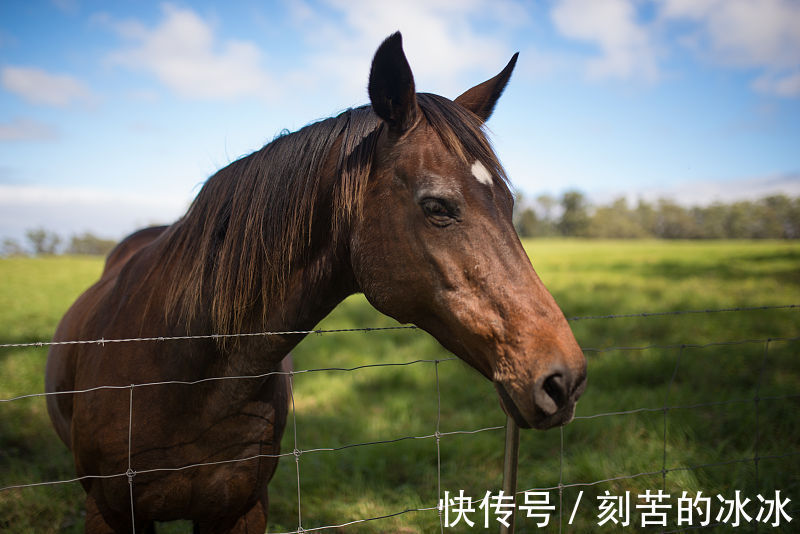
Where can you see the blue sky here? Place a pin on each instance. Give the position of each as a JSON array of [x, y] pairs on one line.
[[112, 114]]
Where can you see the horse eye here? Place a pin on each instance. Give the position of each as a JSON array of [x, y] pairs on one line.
[[438, 211]]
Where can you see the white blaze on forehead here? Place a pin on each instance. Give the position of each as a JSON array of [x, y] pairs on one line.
[[481, 173]]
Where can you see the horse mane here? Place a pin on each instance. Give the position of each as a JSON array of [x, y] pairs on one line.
[[254, 220]]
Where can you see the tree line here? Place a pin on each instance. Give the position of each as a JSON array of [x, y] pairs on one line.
[[572, 215], [42, 242]]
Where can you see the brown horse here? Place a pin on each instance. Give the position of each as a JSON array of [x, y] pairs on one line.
[[403, 200]]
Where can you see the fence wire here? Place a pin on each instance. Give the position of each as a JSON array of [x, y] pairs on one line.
[[437, 435], [369, 329]]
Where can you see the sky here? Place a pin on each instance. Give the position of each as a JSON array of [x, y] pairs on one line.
[[113, 114]]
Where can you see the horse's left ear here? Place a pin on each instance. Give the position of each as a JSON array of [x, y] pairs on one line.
[[481, 99], [391, 86]]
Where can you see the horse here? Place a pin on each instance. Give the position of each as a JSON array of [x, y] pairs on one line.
[[403, 200]]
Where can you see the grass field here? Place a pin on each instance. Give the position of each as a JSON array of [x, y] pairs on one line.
[[707, 368]]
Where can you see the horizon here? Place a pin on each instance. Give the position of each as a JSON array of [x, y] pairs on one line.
[[117, 117]]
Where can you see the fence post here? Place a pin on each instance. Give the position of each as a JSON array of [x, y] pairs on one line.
[[510, 470]]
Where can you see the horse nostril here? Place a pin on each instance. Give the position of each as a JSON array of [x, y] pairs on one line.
[[554, 386], [552, 395]]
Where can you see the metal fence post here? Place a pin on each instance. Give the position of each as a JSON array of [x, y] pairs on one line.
[[510, 470]]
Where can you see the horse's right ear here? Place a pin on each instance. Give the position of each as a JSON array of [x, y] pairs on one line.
[[391, 86]]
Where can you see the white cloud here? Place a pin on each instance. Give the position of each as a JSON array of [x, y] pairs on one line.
[[748, 34], [451, 45], [707, 192], [446, 41], [38, 86], [628, 50], [782, 84], [184, 53], [74, 210], [69, 7], [24, 129]]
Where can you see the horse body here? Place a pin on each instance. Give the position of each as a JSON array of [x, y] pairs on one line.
[[403, 201], [171, 426]]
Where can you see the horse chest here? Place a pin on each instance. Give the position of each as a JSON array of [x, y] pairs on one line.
[[220, 469]]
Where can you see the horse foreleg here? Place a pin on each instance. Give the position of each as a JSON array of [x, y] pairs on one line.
[[252, 522], [95, 522]]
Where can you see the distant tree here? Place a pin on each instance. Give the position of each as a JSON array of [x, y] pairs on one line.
[[11, 247], [527, 223], [575, 216], [780, 217], [90, 244], [794, 220], [712, 221], [546, 205], [646, 216], [43, 242], [772, 217], [616, 221], [740, 221], [673, 221]]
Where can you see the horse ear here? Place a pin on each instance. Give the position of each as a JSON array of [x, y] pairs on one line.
[[481, 99], [391, 86]]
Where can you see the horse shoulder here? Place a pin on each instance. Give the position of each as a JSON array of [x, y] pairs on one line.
[[76, 325], [130, 245]]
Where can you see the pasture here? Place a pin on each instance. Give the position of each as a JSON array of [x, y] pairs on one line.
[[707, 368]]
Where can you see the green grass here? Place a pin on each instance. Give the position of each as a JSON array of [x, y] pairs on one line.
[[338, 408]]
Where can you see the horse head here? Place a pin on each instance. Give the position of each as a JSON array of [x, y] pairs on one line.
[[435, 245]]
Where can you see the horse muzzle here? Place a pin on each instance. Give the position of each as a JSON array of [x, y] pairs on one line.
[[549, 403]]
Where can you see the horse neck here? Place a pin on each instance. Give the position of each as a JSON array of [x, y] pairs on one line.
[[229, 288], [313, 293], [314, 288]]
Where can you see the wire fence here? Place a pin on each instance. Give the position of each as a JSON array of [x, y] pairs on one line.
[[666, 408], [441, 507]]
